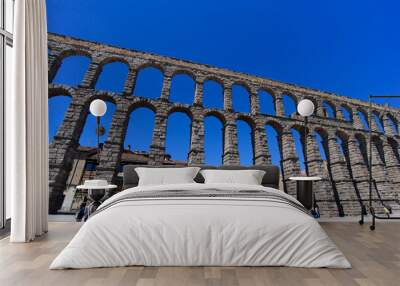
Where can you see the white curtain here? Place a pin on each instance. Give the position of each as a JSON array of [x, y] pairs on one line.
[[26, 123]]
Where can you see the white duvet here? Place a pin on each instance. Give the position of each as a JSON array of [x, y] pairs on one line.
[[200, 231]]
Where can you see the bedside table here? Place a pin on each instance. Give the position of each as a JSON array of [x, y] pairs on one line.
[[305, 191], [97, 190]]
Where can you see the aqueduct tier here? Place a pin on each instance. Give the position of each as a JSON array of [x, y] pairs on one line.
[[343, 129]]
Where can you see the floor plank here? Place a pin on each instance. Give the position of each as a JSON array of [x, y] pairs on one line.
[[375, 257]]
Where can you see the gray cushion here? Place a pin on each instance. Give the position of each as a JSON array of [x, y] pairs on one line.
[[270, 179]]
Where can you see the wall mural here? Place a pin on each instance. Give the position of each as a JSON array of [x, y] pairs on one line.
[[336, 142]]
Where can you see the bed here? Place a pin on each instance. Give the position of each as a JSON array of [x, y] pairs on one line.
[[201, 224]]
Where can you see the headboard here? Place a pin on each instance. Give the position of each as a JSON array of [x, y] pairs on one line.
[[270, 179]]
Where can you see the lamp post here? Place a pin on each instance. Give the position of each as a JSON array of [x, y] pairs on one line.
[[305, 108], [98, 108]]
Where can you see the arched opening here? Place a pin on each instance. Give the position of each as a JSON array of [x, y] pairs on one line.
[[178, 136], [213, 94], [149, 82], [298, 142], [182, 89], [393, 123], [245, 142], [88, 136], [321, 147], [267, 105], [346, 112], [364, 118], [240, 98], [342, 146], [378, 122], [289, 105], [58, 105], [379, 147], [362, 145], [139, 131], [112, 77], [329, 110], [72, 70], [274, 145], [213, 140]]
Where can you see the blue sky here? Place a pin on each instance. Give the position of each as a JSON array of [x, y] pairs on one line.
[[347, 47]]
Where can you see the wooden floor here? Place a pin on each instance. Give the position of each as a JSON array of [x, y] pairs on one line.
[[375, 257]]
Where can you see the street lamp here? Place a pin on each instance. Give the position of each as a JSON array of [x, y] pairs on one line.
[[305, 108], [98, 108]]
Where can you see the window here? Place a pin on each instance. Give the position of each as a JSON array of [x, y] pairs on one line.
[[6, 44]]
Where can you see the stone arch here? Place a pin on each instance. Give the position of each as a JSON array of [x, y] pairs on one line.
[[214, 78], [342, 135], [151, 64], [342, 140], [321, 131], [58, 103], [182, 71], [267, 101], [321, 135], [241, 97], [248, 119], [213, 94], [393, 123], [112, 59], [323, 146], [273, 130], [213, 139], [180, 108], [59, 57], [275, 124], [289, 104], [144, 114], [103, 95], [149, 81], [378, 121], [329, 109], [111, 75], [55, 90], [363, 117], [178, 134], [182, 87], [245, 135], [73, 52], [298, 137], [346, 112], [142, 104], [362, 144], [70, 68], [378, 144], [216, 114]]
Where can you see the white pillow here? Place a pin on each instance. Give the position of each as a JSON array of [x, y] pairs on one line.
[[247, 177], [166, 176]]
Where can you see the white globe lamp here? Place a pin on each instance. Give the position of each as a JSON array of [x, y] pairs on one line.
[[98, 107], [305, 107]]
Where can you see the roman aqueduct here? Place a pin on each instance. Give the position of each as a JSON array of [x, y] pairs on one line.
[[344, 188]]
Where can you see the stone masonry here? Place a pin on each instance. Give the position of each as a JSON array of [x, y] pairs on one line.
[[344, 188]]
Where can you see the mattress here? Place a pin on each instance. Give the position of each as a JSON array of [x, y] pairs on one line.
[[201, 225]]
